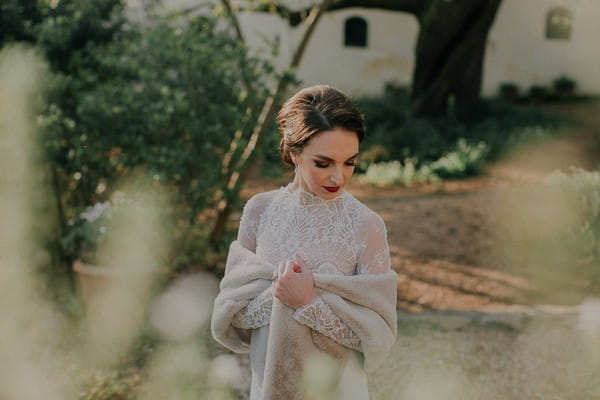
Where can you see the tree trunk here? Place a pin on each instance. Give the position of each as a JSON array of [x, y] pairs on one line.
[[449, 51], [449, 57]]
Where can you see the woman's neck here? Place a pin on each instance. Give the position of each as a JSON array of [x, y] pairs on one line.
[[299, 183]]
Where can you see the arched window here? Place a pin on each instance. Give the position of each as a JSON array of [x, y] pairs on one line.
[[355, 32], [558, 23]]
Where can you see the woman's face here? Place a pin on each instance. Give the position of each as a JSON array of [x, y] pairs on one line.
[[327, 162]]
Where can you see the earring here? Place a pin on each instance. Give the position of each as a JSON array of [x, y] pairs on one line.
[[295, 169]]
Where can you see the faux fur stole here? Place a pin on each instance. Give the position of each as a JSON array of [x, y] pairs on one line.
[[366, 303]]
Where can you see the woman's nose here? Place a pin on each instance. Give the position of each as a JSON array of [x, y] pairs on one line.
[[336, 176]]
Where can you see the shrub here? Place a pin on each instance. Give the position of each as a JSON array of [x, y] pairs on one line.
[[164, 99], [446, 148], [464, 160], [564, 84], [539, 93], [394, 172], [508, 91]]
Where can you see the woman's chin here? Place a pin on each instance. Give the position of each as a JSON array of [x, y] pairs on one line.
[[329, 193]]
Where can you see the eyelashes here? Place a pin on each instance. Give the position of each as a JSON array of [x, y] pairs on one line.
[[348, 164]]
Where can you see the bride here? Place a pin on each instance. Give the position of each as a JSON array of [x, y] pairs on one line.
[[310, 270]]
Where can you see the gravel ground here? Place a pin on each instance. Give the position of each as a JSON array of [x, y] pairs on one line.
[[487, 356], [550, 358]]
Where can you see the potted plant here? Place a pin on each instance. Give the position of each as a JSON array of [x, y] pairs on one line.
[[86, 234]]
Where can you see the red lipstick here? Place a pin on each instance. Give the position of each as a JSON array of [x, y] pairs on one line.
[[332, 189]]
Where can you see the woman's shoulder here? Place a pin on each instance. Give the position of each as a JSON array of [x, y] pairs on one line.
[[368, 218], [260, 201]]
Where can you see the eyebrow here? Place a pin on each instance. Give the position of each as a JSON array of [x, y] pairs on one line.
[[331, 159]]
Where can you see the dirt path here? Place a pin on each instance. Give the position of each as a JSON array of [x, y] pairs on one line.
[[446, 239], [442, 247]]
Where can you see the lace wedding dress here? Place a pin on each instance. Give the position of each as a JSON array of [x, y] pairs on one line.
[[339, 236]]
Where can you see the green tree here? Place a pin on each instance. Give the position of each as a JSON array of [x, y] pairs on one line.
[[165, 98]]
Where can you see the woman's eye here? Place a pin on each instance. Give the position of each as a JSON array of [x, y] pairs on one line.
[[351, 163], [320, 165]]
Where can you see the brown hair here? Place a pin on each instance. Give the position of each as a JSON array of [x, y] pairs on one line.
[[311, 111]]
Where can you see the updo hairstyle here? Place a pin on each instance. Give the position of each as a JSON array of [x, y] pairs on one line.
[[314, 110]]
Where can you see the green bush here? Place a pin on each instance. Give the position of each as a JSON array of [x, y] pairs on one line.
[[463, 160], [164, 99], [450, 149], [539, 93], [564, 84], [508, 91]]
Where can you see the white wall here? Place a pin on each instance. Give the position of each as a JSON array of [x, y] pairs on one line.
[[389, 55], [518, 51]]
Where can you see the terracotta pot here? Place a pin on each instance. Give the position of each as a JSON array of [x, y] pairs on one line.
[[93, 281]]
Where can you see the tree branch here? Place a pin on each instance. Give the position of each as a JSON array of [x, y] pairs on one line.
[[234, 20], [240, 171], [295, 17]]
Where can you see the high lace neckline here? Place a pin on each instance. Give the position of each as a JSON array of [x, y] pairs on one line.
[[304, 198]]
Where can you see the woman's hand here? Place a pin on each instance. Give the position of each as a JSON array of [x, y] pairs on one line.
[[294, 284]]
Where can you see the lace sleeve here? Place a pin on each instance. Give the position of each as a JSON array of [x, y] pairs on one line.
[[256, 314], [318, 316], [375, 257]]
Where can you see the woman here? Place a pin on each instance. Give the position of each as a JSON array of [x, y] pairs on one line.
[[310, 270]]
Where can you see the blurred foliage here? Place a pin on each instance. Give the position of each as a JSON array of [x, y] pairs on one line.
[[581, 189], [164, 98], [112, 385], [549, 232], [405, 173], [464, 160]]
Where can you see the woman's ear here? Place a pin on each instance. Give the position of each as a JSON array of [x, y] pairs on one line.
[[293, 157]]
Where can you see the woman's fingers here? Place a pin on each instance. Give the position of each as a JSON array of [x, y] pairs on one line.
[[301, 262], [281, 269], [289, 269]]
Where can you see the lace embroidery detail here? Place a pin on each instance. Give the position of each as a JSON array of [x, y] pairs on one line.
[[338, 236], [256, 314], [318, 316], [319, 230]]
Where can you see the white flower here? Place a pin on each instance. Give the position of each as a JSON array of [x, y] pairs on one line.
[[94, 212]]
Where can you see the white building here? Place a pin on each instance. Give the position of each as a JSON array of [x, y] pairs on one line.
[[532, 42]]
